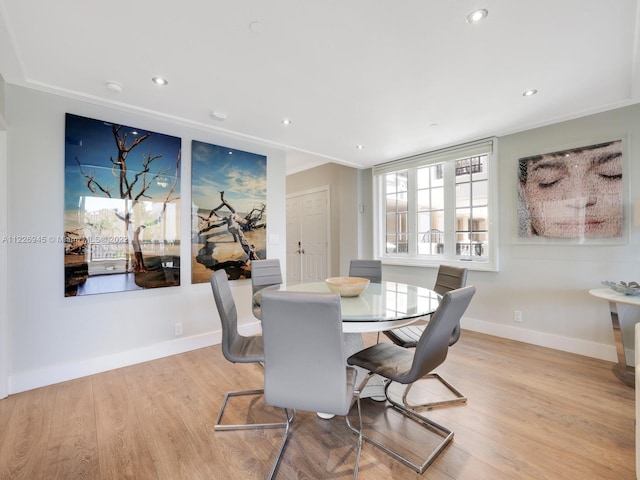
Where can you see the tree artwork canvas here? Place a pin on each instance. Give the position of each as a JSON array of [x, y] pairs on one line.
[[229, 219], [122, 208]]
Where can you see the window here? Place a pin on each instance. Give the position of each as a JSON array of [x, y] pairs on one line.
[[439, 208]]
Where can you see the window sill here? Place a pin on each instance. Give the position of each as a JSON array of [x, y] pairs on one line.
[[470, 264]]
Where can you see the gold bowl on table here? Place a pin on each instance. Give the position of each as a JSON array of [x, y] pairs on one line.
[[347, 286]]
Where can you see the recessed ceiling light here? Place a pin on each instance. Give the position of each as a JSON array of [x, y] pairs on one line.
[[359, 147], [286, 121], [529, 93], [477, 16], [217, 115], [160, 80], [114, 86]]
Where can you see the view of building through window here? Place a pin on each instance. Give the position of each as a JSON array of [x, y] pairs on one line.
[[423, 203]]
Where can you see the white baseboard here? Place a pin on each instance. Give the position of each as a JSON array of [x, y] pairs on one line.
[[61, 373], [557, 342]]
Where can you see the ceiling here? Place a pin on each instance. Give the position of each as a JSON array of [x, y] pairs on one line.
[[398, 78]]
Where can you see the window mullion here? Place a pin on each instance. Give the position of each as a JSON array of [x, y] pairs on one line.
[[450, 210], [412, 220]]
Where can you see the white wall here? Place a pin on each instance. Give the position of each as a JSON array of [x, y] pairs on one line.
[[52, 338], [365, 213], [4, 319], [549, 283]]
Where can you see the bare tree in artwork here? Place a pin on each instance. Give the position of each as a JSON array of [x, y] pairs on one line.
[[133, 186], [236, 225]]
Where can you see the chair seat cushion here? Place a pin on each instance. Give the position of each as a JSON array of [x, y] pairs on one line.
[[406, 337], [246, 350], [386, 359]]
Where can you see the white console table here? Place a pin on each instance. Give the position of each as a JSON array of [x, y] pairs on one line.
[[621, 370]]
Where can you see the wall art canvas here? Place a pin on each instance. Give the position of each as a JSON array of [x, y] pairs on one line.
[[228, 194], [122, 208], [572, 194]]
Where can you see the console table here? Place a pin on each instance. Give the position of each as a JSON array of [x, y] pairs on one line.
[[621, 370]]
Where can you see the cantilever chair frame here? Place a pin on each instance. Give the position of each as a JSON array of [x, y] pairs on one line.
[[442, 431], [449, 278], [220, 427], [397, 365], [235, 348]]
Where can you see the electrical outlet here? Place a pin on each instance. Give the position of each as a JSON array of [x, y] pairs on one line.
[[177, 329], [517, 316]]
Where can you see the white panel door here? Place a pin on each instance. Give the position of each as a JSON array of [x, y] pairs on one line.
[[294, 256], [308, 236]]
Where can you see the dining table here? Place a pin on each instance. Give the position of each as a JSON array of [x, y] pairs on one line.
[[381, 306]]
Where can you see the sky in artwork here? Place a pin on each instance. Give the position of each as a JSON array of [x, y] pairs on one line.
[[91, 143], [241, 175]]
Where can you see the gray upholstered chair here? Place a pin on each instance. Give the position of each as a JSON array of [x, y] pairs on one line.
[[264, 273], [371, 269], [449, 278], [398, 364], [235, 347], [305, 361]]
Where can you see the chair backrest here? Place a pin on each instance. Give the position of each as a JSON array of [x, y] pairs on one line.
[[232, 341], [305, 363], [433, 346], [450, 278], [265, 273], [371, 269]]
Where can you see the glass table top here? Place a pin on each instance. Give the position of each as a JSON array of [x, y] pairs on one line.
[[380, 302]]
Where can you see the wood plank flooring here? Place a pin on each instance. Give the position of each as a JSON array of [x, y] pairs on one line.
[[532, 413]]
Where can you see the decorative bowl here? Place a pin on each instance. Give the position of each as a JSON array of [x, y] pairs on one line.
[[347, 286], [631, 288]]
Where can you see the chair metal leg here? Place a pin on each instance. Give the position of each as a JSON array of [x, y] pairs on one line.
[[243, 426], [360, 435], [287, 425], [285, 439], [445, 433], [459, 396]]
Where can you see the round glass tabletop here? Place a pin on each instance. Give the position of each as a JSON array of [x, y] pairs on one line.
[[380, 302]]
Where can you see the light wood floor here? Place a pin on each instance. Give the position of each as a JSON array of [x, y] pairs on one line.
[[532, 413]]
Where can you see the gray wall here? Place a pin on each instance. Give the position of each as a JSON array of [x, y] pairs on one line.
[[52, 338]]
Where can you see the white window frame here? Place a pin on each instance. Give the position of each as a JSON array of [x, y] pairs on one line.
[[490, 262]]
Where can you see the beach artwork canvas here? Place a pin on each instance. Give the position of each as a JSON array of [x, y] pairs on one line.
[[229, 219], [122, 208]]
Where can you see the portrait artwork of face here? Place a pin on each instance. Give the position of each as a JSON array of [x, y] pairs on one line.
[[574, 193]]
